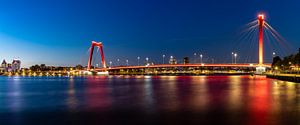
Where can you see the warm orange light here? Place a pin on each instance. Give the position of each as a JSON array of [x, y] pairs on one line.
[[187, 65], [261, 16]]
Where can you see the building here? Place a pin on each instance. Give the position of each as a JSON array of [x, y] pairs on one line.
[[172, 60], [9, 67], [3, 67], [186, 60], [16, 65]]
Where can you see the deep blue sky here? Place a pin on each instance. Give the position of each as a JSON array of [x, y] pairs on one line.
[[58, 32]]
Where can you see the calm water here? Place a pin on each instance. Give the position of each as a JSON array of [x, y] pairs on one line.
[[223, 100]]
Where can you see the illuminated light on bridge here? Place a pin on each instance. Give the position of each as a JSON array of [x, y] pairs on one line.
[[184, 65], [100, 46], [261, 19]]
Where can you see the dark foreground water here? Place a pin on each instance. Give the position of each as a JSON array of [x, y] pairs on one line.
[[135, 100]]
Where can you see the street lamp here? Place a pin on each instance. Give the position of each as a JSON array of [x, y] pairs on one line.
[[195, 54], [138, 58], [201, 61], [235, 55], [110, 62], [127, 62], [147, 60], [118, 61], [274, 54], [232, 53], [163, 58]]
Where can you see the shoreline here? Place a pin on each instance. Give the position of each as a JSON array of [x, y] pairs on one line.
[[285, 77]]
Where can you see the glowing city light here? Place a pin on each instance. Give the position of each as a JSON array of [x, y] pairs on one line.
[[261, 18]]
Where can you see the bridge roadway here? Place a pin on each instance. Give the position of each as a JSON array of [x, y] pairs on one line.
[[246, 65]]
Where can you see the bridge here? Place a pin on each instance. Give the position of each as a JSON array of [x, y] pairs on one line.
[[225, 65], [259, 67]]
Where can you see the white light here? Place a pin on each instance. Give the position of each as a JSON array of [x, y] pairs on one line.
[[261, 16], [102, 73]]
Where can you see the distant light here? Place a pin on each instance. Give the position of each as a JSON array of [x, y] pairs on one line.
[[261, 16]]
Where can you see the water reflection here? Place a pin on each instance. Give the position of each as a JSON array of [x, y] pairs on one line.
[[228, 99], [72, 101], [14, 95], [199, 101], [260, 101], [235, 93], [166, 93], [96, 94], [148, 95]]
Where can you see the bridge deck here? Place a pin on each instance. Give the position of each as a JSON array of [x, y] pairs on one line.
[[183, 65]]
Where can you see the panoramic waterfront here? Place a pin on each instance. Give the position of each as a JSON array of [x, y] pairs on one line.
[[115, 62], [149, 100]]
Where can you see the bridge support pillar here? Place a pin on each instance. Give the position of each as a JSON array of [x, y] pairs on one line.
[[100, 46], [261, 69]]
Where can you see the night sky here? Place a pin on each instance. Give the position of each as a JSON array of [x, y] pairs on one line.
[[59, 32]]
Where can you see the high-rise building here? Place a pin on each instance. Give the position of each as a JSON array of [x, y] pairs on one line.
[[16, 65], [3, 67], [172, 60], [4, 64]]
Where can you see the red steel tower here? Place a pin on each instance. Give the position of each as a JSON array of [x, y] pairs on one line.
[[100, 46], [261, 19]]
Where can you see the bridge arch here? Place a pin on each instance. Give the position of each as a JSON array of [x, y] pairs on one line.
[[100, 46]]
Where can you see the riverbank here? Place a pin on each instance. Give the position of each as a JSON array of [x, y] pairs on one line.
[[285, 77]]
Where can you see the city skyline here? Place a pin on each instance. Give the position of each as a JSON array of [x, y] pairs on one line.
[[60, 32]]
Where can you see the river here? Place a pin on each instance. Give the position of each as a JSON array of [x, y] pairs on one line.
[[232, 100]]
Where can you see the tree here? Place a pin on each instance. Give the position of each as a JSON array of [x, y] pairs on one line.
[[276, 62], [79, 67], [35, 68]]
